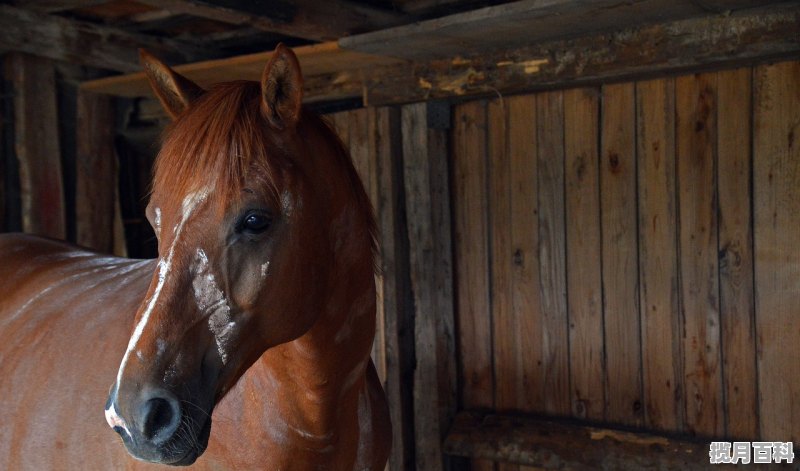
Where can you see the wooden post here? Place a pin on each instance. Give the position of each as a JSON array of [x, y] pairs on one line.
[[96, 173], [393, 283], [428, 209], [36, 145]]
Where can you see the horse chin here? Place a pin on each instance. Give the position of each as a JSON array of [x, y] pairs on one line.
[[197, 449]]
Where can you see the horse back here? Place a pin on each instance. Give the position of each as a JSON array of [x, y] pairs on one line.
[[65, 316]]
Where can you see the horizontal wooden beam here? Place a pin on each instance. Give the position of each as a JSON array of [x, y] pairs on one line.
[[52, 6], [319, 21], [85, 43], [705, 42], [520, 23], [331, 73], [558, 445]]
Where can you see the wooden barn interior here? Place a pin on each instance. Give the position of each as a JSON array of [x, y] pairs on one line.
[[589, 212]]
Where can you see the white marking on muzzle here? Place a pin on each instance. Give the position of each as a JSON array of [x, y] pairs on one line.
[[114, 420], [190, 203], [211, 299]]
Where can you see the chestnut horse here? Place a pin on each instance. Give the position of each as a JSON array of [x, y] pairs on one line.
[[260, 307]]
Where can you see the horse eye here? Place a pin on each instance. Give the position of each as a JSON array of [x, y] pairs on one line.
[[255, 222]]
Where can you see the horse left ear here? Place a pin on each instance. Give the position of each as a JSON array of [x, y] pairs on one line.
[[282, 89], [174, 91]]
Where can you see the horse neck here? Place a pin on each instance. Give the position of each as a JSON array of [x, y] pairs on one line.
[[327, 364]]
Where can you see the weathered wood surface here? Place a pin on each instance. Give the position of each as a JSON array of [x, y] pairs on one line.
[[552, 251], [516, 24], [744, 36], [471, 253], [637, 51], [398, 342], [559, 445], [695, 260], [776, 206], [584, 280], [330, 72], [696, 134], [96, 176], [308, 19], [620, 258], [427, 207], [36, 145], [85, 43], [52, 6], [658, 256], [736, 303]]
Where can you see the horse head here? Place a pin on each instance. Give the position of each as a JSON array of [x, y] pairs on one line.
[[254, 204]]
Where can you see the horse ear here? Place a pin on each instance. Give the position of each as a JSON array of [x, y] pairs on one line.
[[174, 91], [282, 88]]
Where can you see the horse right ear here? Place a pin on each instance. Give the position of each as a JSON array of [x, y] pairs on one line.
[[174, 91]]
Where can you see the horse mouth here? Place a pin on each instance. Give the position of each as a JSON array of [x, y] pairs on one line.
[[196, 448]]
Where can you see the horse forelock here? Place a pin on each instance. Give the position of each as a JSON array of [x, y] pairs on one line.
[[216, 142], [224, 137]]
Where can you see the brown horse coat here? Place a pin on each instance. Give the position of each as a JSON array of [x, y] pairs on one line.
[[287, 397]]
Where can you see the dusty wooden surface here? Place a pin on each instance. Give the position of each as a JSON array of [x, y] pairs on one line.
[[696, 289], [334, 72], [558, 445], [96, 173], [84, 43], [776, 206], [620, 258], [36, 145]]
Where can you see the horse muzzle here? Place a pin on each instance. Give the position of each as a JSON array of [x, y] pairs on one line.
[[159, 430]]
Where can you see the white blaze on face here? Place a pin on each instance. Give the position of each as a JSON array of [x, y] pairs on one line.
[[190, 204], [212, 302], [264, 270], [157, 221]]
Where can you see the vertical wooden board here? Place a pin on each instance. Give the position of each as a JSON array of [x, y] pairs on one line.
[[552, 251], [442, 258], [37, 145], [428, 436], [393, 266], [499, 215], [471, 254], [527, 313], [737, 311], [658, 269], [776, 191], [696, 128], [96, 174], [584, 289], [339, 122], [623, 379], [358, 142]]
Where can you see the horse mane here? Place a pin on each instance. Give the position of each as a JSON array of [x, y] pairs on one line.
[[222, 139]]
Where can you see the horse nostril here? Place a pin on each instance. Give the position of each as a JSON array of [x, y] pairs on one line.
[[160, 419]]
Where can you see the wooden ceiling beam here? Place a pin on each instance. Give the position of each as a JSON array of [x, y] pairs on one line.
[[701, 43], [54, 6], [306, 19], [334, 72], [85, 43]]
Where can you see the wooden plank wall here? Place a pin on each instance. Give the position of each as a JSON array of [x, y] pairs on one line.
[[401, 155], [630, 253]]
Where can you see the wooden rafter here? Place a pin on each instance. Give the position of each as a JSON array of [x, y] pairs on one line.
[[53, 6], [85, 43], [670, 47], [305, 19]]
